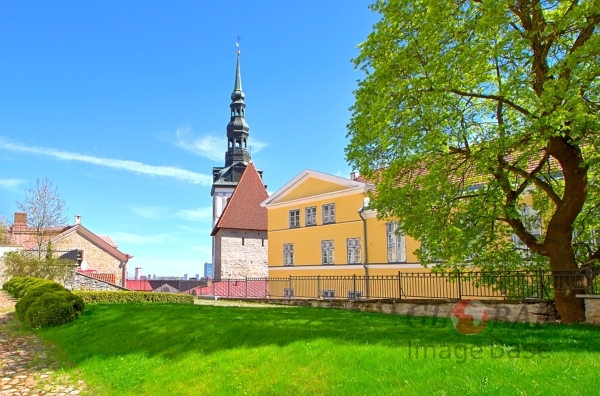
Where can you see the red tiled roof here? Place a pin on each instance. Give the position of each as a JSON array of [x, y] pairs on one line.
[[243, 211]]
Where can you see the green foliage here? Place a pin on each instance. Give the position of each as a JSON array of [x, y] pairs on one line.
[[18, 286], [4, 238], [466, 112], [102, 297], [26, 263], [32, 295], [54, 308], [145, 349]]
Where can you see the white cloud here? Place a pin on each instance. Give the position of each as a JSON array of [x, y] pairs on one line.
[[11, 184], [209, 146], [196, 214], [137, 239], [149, 212], [132, 166]]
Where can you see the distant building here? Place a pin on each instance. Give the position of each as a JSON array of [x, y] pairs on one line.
[[208, 270], [96, 256]]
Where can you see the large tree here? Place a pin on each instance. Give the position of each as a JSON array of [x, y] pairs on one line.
[[468, 111]]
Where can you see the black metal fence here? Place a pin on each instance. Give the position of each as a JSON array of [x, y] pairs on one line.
[[405, 285], [508, 285]]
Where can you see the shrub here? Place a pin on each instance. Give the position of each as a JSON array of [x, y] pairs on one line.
[[54, 308], [19, 286], [32, 295], [101, 297]]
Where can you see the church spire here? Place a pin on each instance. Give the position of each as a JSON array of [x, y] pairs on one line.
[[237, 129]]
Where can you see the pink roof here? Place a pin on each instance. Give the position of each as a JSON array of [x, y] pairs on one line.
[[108, 240]]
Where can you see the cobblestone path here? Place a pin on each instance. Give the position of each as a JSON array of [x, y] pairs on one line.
[[26, 367]]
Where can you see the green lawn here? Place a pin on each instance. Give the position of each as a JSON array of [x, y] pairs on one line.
[[135, 349]]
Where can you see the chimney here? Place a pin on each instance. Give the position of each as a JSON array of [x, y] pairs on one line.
[[138, 271], [354, 175], [77, 219], [20, 223]]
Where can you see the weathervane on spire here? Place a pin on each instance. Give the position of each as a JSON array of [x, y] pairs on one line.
[[237, 44]]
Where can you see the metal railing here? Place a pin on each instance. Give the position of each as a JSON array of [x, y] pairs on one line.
[[508, 285]]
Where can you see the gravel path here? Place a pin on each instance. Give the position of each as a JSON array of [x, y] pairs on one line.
[[27, 368]]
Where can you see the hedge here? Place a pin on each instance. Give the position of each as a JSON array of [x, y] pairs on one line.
[[32, 295], [54, 308], [119, 297], [19, 286]]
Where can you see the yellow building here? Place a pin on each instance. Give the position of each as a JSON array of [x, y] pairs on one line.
[[320, 224]]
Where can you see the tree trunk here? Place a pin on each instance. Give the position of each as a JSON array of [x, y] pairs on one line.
[[559, 234], [560, 252]]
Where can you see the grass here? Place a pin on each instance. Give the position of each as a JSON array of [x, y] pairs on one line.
[[135, 349]]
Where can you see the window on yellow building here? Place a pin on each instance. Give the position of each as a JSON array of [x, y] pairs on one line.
[[533, 223], [294, 218], [353, 245], [396, 244], [311, 216], [327, 252], [288, 254], [328, 213]]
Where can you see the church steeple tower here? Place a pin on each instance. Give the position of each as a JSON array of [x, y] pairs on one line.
[[237, 156], [237, 129]]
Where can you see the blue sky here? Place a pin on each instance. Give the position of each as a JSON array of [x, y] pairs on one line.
[[124, 105]]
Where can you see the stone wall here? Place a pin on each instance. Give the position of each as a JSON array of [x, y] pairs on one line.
[[96, 258], [243, 254], [524, 311], [84, 282], [592, 308]]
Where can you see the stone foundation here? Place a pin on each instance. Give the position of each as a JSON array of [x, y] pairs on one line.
[[592, 308], [525, 311], [84, 282]]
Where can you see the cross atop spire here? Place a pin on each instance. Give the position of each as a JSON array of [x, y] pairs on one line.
[[237, 129]]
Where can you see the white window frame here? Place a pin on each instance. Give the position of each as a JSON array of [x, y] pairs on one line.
[[288, 254], [533, 223], [327, 252], [396, 243], [294, 218], [310, 214], [353, 247], [329, 213]]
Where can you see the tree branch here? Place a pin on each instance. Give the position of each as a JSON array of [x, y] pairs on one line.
[[493, 97]]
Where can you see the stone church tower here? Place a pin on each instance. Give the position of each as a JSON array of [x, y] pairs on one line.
[[237, 156]]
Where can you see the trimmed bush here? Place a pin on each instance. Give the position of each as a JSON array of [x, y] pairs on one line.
[[32, 295], [119, 297], [18, 286], [54, 308]]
